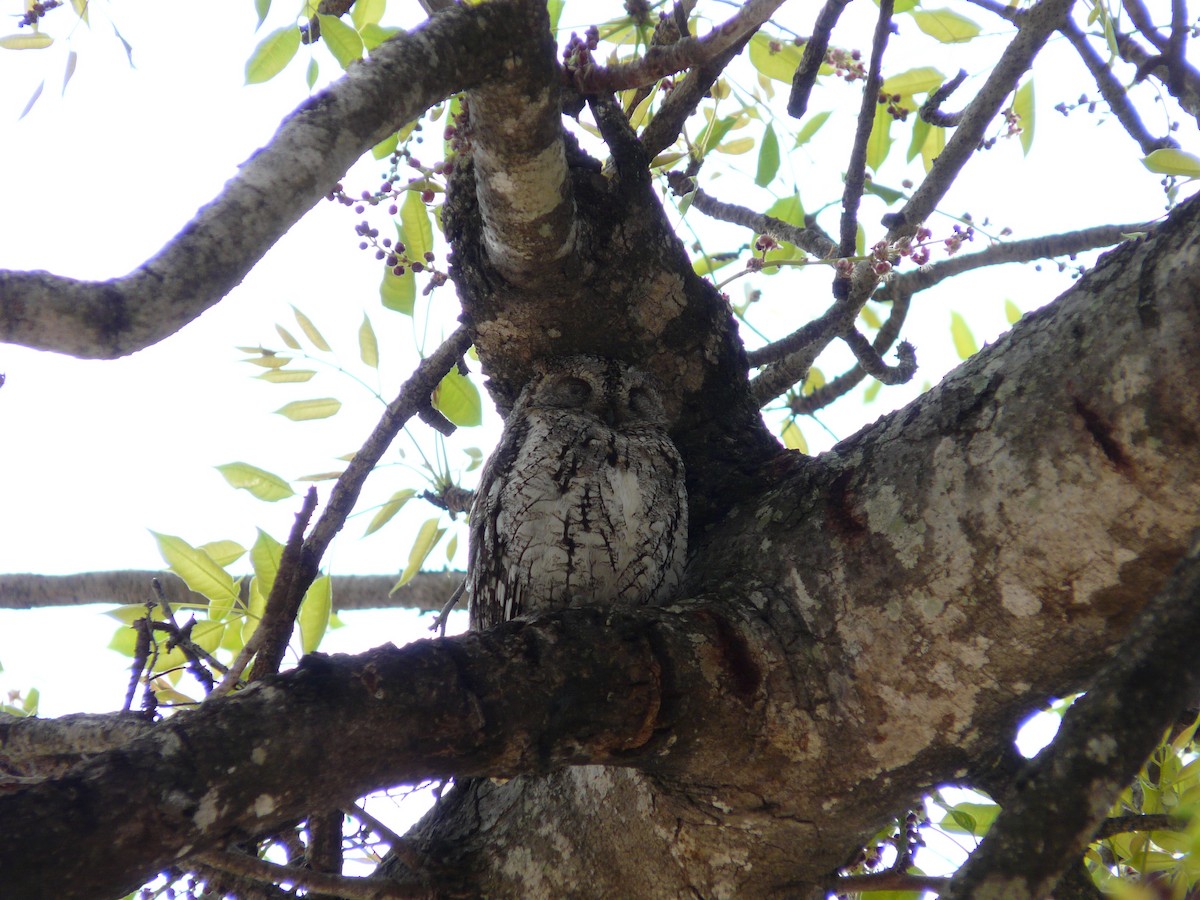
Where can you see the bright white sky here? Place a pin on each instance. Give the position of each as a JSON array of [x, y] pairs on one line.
[[94, 181]]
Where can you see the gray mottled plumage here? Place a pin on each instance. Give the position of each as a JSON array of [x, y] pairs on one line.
[[583, 501]]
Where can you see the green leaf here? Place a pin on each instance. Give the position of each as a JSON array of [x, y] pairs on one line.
[[272, 54], [945, 25], [811, 127], [775, 58], [768, 158], [287, 338], [223, 552], [305, 410], [386, 147], [1173, 162], [30, 701], [81, 10], [197, 569], [342, 40], [889, 195], [452, 547], [69, 72], [872, 391], [1011, 312], [880, 140], [913, 81], [398, 292], [555, 7], [262, 484], [37, 92], [970, 818], [374, 35], [34, 40], [389, 509], [788, 209], [458, 400], [367, 12], [932, 146], [311, 73], [314, 613], [1023, 107], [427, 539], [417, 231], [288, 376], [310, 330], [265, 556], [714, 132], [261, 8], [793, 439], [964, 341], [368, 346]]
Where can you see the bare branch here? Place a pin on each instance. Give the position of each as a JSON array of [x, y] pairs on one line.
[[1140, 17], [213, 252], [427, 590], [1034, 27], [247, 866], [931, 109], [1105, 737], [1149, 65], [1113, 92], [873, 363], [660, 61]]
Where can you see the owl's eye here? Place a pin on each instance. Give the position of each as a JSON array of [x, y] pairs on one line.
[[642, 402], [569, 392]]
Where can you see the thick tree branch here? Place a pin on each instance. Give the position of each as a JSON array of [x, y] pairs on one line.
[[1105, 738], [313, 148], [1188, 94], [525, 697], [813, 57], [525, 196]]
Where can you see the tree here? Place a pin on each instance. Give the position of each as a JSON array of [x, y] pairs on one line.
[[856, 628]]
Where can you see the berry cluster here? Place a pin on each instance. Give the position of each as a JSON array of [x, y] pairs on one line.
[[847, 64], [36, 11], [577, 55], [894, 107]]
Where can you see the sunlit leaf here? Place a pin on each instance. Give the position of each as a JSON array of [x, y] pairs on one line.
[[259, 482], [265, 557], [945, 25], [287, 337], [312, 72], [197, 569], [367, 12], [368, 346], [737, 146], [872, 391], [1023, 107], [223, 552], [768, 158], [970, 818], [913, 81], [451, 547], [1012, 312], [932, 146], [555, 7], [268, 360], [880, 141], [458, 400], [1169, 161], [288, 376], [261, 8], [272, 54], [811, 127], [394, 504], [416, 227], [305, 410], [374, 35], [342, 40], [314, 613], [427, 539], [776, 58], [29, 703], [964, 341], [793, 438], [310, 330], [788, 209], [81, 10], [398, 292], [887, 194], [33, 40]]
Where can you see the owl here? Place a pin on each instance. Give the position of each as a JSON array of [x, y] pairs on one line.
[[583, 501]]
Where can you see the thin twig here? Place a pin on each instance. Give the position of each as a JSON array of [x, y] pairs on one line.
[[1140, 17], [930, 110], [1113, 92], [873, 363]]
